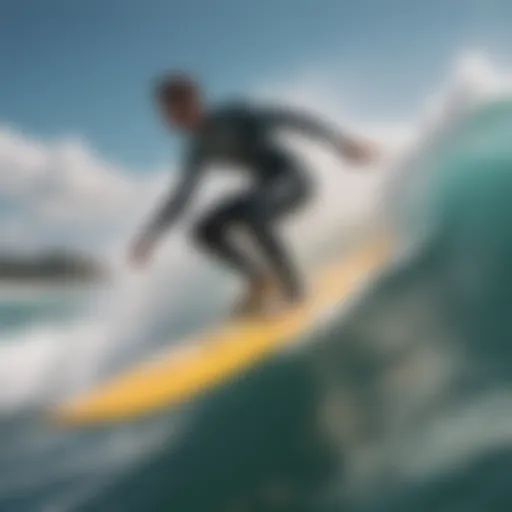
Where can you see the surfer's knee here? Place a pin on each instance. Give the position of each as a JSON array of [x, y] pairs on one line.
[[254, 213], [205, 233], [209, 232]]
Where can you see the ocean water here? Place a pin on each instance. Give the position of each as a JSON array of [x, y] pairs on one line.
[[421, 372], [402, 403], [25, 305]]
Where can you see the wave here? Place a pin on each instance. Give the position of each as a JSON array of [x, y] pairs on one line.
[[421, 375]]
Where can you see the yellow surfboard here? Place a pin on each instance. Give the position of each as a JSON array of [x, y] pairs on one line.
[[213, 357]]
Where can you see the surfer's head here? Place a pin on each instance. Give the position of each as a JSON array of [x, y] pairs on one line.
[[180, 98]]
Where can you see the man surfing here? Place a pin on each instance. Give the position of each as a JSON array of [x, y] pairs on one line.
[[243, 135]]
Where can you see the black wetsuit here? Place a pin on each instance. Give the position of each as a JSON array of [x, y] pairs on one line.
[[244, 135]]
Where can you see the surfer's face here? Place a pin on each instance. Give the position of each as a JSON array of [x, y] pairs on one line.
[[185, 114]]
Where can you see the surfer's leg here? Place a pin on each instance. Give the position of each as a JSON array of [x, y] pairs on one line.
[[278, 197], [258, 211], [213, 234], [284, 188]]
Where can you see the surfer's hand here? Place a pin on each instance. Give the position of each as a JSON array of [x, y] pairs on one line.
[[140, 252], [360, 151]]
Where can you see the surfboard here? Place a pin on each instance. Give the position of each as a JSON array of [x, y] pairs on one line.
[[212, 358]]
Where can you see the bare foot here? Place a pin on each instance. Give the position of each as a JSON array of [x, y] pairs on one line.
[[260, 294]]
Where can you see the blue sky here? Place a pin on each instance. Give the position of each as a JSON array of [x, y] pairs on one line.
[[85, 67]]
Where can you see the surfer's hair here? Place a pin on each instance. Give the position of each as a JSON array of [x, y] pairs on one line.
[[177, 87]]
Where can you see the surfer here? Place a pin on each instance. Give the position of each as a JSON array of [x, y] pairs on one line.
[[242, 134]]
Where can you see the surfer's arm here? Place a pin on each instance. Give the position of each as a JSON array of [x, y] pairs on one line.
[[167, 214], [178, 199], [348, 145]]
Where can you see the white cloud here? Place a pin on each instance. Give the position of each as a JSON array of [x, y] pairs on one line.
[[61, 191]]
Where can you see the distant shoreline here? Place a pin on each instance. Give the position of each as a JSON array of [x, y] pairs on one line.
[[57, 268], [49, 275]]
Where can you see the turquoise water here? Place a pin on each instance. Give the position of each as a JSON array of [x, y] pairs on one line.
[[16, 315]]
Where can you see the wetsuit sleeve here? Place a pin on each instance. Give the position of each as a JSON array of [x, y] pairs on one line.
[[305, 123], [179, 197]]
